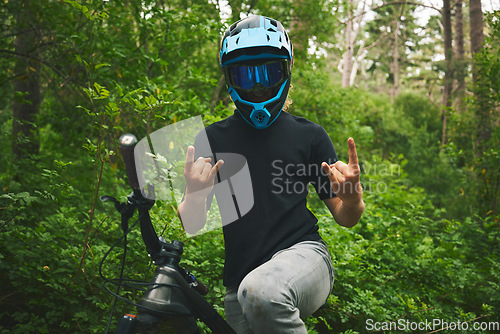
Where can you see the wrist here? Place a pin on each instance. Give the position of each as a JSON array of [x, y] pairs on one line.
[[354, 204], [195, 197]]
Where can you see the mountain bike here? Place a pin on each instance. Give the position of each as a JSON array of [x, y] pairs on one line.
[[174, 296]]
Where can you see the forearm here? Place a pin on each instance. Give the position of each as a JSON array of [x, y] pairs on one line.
[[193, 213], [348, 214]]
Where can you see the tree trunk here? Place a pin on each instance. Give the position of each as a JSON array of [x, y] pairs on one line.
[[349, 64], [348, 53], [217, 93], [395, 61], [395, 55], [482, 114], [460, 65], [476, 26], [448, 77], [360, 56], [25, 140], [299, 33]]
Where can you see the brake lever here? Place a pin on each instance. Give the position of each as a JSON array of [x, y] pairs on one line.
[[126, 210], [106, 198]]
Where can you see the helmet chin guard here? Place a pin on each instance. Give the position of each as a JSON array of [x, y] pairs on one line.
[[261, 115], [257, 51]]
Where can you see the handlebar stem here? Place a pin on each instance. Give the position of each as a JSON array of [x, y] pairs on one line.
[[160, 251]]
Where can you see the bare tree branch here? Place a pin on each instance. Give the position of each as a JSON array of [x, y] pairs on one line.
[[41, 61], [363, 12]]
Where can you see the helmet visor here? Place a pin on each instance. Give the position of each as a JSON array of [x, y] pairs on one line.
[[268, 75]]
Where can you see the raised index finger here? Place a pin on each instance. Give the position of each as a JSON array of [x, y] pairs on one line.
[[353, 155], [189, 159]]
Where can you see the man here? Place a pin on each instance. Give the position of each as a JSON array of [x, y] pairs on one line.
[[277, 268]]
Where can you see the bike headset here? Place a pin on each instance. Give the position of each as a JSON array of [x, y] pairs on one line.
[[257, 55]]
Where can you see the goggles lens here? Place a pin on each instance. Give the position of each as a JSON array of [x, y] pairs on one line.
[[267, 75]]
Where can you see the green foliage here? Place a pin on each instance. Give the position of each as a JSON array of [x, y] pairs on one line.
[[475, 136], [54, 232], [426, 247], [404, 263], [40, 256]]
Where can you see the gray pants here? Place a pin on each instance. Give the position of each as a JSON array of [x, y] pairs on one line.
[[276, 295]]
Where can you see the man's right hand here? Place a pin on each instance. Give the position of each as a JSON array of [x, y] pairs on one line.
[[199, 174]]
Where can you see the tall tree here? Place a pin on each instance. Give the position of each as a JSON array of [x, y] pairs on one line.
[[482, 112], [298, 31], [395, 50], [448, 55], [476, 26], [353, 24], [311, 24], [393, 33], [26, 85], [459, 56]]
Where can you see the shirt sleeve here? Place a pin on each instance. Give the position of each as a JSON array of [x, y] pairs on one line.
[[322, 151]]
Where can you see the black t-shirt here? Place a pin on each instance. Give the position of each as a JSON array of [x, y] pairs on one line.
[[282, 159]]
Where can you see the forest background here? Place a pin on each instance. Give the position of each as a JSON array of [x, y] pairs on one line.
[[420, 98]]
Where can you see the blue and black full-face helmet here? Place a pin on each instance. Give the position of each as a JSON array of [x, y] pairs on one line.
[[257, 57]]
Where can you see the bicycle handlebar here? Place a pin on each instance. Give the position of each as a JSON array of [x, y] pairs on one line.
[[166, 256], [127, 144]]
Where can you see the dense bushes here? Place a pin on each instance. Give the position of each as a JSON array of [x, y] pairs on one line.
[[403, 263], [426, 247]]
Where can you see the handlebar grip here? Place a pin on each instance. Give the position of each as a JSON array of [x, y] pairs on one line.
[[127, 144], [201, 288]]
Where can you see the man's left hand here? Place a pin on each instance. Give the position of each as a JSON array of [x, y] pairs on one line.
[[344, 177]]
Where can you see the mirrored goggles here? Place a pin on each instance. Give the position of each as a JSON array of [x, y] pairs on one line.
[[268, 75]]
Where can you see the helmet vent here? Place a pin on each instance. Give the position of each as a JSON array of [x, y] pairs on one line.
[[237, 40], [268, 38], [260, 117]]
